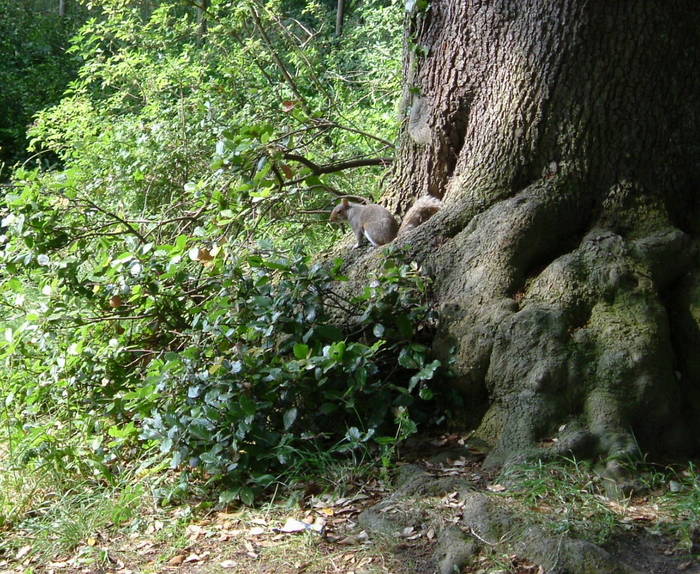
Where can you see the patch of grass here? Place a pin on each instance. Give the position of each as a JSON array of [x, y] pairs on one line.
[[679, 501], [19, 491], [566, 497], [80, 517]]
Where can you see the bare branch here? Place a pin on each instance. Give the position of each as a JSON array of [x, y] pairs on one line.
[[338, 166]]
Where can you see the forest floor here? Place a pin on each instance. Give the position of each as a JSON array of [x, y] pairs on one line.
[[373, 528]]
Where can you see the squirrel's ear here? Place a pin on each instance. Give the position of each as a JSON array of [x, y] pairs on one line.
[[345, 202]]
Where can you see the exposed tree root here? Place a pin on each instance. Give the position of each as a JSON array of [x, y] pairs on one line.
[[572, 345]]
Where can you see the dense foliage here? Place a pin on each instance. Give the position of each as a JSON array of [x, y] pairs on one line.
[[160, 290], [36, 67], [225, 357]]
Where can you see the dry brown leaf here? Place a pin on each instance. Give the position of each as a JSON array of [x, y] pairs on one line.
[[287, 170], [176, 560], [22, 552], [194, 531], [192, 558], [415, 536], [204, 254], [352, 539]]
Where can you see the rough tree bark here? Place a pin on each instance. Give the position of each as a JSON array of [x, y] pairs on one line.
[[563, 139]]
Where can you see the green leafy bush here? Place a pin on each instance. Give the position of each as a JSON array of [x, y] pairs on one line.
[[157, 289], [270, 377], [232, 360]]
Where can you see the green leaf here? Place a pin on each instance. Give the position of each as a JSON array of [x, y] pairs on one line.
[[247, 496], [301, 351], [229, 496], [327, 333], [384, 440], [248, 405], [426, 373], [404, 325], [181, 242], [289, 417]]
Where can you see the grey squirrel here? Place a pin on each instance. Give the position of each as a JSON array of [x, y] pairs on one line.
[[377, 225]]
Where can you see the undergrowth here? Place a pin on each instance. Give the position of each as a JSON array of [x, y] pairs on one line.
[[568, 497]]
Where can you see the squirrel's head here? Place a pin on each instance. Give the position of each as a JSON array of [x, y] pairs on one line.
[[340, 211]]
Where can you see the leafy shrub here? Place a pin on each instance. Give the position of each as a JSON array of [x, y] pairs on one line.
[[156, 291], [232, 360], [270, 377]]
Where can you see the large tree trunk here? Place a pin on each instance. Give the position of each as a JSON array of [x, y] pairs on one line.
[[563, 139]]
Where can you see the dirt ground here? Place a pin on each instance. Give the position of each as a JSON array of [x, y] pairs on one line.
[[324, 534]]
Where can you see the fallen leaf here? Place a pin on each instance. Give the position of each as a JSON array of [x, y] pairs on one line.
[[406, 532], [415, 536], [192, 558], [496, 488], [205, 255], [176, 560], [194, 531], [353, 539], [228, 564], [22, 552], [294, 525], [674, 486]]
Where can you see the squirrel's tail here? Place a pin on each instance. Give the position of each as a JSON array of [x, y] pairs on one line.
[[422, 210]]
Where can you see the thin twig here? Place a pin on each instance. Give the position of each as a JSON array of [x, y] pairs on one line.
[[123, 221], [278, 61]]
